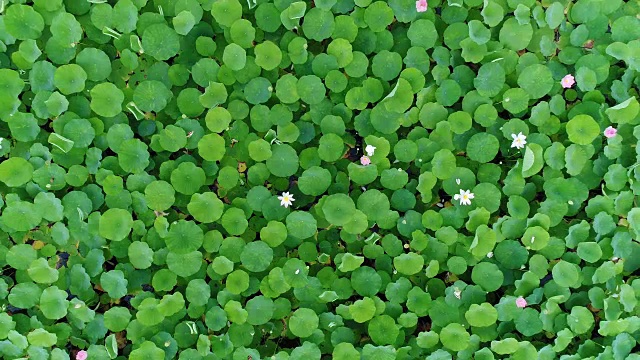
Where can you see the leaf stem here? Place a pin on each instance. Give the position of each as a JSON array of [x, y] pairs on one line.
[[135, 111], [110, 32]]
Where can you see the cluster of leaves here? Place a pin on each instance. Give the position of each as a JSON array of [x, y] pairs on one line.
[[145, 144]]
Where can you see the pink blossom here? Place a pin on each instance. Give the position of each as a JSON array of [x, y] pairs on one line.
[[421, 5], [568, 81], [521, 302], [610, 132], [364, 160], [81, 355]]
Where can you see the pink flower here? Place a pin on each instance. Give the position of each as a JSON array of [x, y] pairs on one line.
[[364, 160], [568, 81], [610, 132], [521, 302], [81, 355], [421, 5]]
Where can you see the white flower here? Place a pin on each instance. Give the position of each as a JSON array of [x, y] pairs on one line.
[[490, 254], [286, 199], [370, 149], [465, 197], [457, 293], [518, 140], [1, 139]]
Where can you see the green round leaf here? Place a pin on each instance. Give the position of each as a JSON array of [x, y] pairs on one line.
[[383, 330], [187, 178], [115, 224], [481, 315], [536, 80], [106, 100], [206, 207], [582, 129], [301, 224], [234, 221], [256, 256], [184, 237], [23, 22], [566, 274], [303, 322], [488, 276], [283, 161], [15, 172], [70, 79], [53, 303], [268, 55], [483, 147], [338, 209], [454, 337], [159, 195], [409, 263], [160, 41], [114, 283]]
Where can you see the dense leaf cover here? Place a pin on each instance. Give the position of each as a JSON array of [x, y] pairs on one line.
[[346, 179]]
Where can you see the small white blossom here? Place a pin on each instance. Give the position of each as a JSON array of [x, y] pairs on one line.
[[457, 293], [1, 139], [490, 254], [370, 149], [518, 140], [286, 199], [465, 197]]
